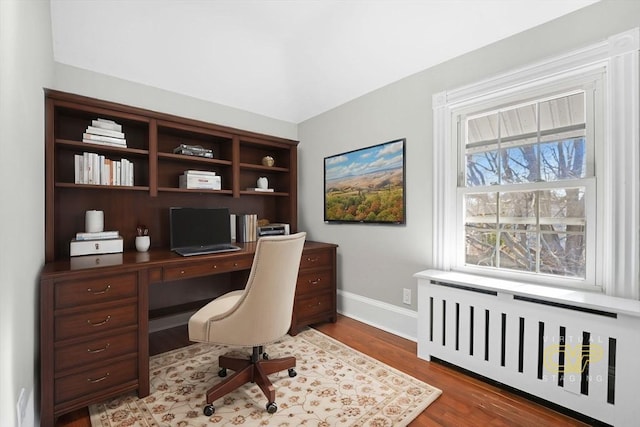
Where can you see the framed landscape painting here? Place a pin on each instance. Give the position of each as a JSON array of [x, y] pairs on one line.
[[366, 185]]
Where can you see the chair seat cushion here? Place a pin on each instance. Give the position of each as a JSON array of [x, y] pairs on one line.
[[199, 323]]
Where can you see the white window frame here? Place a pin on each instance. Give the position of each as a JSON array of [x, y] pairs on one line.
[[617, 268]]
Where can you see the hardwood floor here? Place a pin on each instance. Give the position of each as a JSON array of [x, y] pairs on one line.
[[465, 401]]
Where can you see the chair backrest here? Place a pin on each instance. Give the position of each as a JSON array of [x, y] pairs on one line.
[[263, 313]]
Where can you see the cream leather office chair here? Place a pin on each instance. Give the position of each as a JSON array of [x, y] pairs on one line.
[[253, 317]]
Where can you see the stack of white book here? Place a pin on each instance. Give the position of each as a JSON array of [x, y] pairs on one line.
[[97, 243], [96, 169], [196, 179], [105, 132]]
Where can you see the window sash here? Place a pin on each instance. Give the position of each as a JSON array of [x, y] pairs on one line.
[[587, 85], [536, 222]]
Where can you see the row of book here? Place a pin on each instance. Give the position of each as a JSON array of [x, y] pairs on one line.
[[105, 132], [196, 179], [96, 169], [246, 227]]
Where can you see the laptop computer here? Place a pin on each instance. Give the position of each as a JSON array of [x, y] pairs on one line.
[[199, 231]]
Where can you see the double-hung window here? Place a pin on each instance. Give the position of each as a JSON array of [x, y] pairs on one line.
[[526, 187], [536, 172]]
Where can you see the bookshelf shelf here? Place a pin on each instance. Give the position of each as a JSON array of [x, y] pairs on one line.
[[267, 169], [264, 193], [102, 187], [194, 190], [86, 146]]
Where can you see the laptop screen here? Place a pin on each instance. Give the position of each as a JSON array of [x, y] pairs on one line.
[[197, 227]]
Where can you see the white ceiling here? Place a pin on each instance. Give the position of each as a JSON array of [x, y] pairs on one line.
[[284, 59]]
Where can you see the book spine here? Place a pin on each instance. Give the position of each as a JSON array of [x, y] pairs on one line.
[[98, 235], [95, 168], [106, 124], [246, 227], [104, 132], [103, 177], [113, 172], [199, 173], [260, 190], [77, 169], [88, 137]]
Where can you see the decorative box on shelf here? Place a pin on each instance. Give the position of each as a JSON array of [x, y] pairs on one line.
[[204, 180], [95, 247]]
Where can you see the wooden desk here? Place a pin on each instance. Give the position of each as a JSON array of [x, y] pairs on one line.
[[94, 323]]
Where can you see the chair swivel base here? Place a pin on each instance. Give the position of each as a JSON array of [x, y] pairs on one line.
[[249, 370]]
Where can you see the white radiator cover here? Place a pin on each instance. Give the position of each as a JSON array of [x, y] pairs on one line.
[[576, 349]]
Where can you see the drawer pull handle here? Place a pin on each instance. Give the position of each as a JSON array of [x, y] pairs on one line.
[[104, 291], [314, 281], [181, 271], [235, 264], [215, 266], [309, 259], [99, 323], [98, 350], [97, 380]]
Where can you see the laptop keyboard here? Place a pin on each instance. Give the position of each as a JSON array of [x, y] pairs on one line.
[[203, 250]]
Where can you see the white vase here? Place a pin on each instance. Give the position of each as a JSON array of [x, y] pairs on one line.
[[263, 183], [142, 243]]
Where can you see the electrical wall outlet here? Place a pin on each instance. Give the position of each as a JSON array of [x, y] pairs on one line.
[[406, 296]]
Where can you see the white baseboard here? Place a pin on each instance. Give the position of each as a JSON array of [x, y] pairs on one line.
[[388, 317]]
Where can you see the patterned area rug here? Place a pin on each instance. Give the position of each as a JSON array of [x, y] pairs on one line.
[[335, 386]]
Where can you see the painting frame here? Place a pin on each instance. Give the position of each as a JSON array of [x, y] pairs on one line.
[[366, 185]]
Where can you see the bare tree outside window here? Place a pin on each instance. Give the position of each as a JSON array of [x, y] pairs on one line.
[[525, 206]]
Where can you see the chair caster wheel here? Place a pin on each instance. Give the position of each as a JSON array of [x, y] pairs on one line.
[[208, 410], [272, 407], [222, 372], [292, 372]]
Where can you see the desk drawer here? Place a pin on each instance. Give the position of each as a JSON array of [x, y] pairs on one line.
[[96, 350], [310, 307], [315, 259], [205, 268], [95, 321], [95, 380], [314, 281], [74, 293]]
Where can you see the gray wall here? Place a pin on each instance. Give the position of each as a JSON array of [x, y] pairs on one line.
[[25, 68], [378, 261]]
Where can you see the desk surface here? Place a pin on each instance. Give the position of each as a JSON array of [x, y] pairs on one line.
[[150, 259]]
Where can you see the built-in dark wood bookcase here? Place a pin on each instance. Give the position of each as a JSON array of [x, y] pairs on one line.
[[95, 314], [151, 138]]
